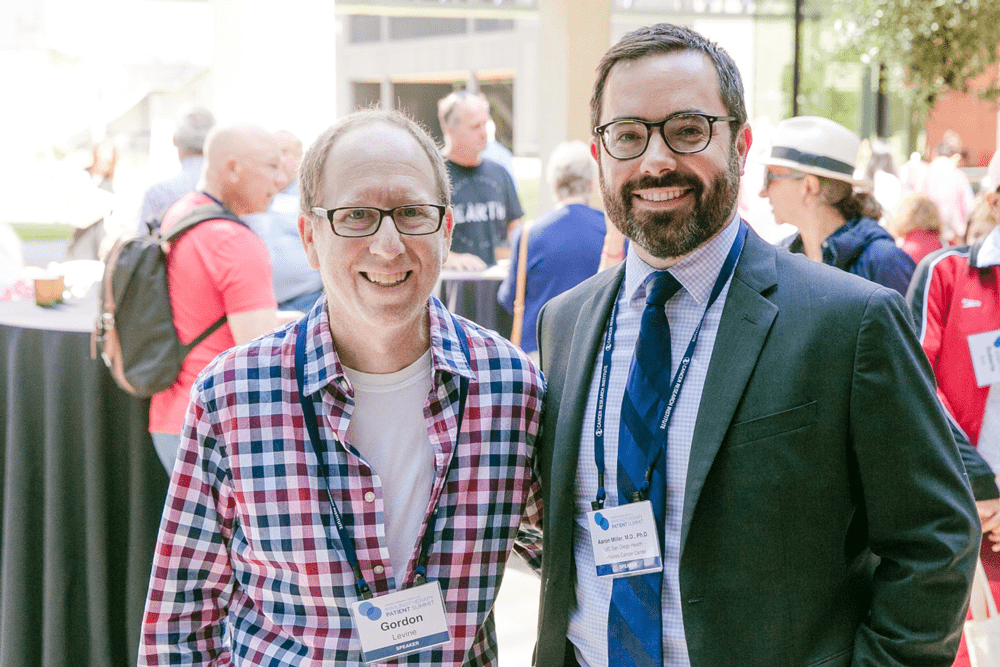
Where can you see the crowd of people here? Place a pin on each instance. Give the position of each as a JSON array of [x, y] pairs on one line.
[[713, 450]]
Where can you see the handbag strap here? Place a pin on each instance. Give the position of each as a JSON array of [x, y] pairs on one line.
[[520, 285], [982, 604]]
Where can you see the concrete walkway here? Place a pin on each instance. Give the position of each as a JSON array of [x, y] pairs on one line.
[[516, 612]]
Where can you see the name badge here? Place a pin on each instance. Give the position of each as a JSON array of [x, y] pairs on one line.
[[985, 351], [625, 540], [401, 623]]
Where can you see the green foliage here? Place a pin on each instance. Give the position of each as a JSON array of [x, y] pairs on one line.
[[941, 45], [528, 191], [830, 77]]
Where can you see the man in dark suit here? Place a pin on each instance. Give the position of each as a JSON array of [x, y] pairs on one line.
[[793, 472]]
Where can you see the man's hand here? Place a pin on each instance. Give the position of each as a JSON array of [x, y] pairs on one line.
[[464, 261], [989, 517]]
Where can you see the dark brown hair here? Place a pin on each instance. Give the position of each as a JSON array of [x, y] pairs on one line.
[[664, 38], [849, 202]]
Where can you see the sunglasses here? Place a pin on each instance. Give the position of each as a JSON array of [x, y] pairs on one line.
[[770, 177]]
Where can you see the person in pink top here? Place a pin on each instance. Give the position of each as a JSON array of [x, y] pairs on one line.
[[917, 226], [219, 267], [948, 187]]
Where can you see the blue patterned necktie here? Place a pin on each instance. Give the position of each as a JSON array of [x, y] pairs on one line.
[[634, 622]]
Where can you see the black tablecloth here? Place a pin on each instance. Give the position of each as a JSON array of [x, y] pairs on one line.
[[477, 301], [81, 496]]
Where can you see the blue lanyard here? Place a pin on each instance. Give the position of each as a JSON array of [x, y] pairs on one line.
[[675, 386], [309, 413]]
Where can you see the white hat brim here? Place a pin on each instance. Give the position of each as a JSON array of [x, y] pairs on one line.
[[816, 171]]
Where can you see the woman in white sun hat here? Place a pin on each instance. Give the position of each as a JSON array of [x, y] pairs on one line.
[[810, 183]]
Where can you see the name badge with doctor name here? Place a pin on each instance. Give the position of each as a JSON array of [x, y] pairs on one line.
[[400, 623], [625, 540], [985, 351]]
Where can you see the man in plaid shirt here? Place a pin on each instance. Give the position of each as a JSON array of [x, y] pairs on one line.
[[253, 565]]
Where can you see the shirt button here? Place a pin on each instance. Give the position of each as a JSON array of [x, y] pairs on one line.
[[378, 569], [369, 497]]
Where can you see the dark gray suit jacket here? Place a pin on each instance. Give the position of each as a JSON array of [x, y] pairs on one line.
[[827, 519]]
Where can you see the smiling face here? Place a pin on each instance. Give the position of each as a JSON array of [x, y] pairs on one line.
[[668, 204], [376, 285]]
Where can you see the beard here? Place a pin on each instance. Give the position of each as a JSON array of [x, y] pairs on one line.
[[668, 234]]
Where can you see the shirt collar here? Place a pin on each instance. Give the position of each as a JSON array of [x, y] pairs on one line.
[[989, 252], [192, 163], [323, 365], [696, 272]]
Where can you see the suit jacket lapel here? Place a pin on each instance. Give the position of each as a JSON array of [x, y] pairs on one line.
[[746, 318], [588, 333]]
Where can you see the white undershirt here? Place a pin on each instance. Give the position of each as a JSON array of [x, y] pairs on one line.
[[389, 431]]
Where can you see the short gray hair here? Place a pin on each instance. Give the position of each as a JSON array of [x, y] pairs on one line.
[[192, 128], [571, 170], [314, 161]]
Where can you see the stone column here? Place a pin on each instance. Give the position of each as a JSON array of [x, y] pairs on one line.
[[572, 37], [387, 95]]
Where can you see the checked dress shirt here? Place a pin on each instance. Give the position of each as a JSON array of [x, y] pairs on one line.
[[588, 627], [249, 568]]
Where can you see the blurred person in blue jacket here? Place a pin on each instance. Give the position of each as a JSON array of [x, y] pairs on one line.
[[296, 284], [497, 152], [564, 246]]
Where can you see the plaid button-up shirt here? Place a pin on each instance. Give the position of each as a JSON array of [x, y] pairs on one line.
[[249, 568]]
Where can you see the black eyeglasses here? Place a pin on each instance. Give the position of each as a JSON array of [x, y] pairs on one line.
[[683, 133], [410, 219]]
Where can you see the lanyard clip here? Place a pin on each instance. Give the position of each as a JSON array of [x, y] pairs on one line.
[[363, 590], [601, 495], [643, 491]]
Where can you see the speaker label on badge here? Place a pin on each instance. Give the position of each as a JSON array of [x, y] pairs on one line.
[[401, 623]]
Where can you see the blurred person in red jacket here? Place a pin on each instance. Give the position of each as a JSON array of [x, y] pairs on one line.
[[955, 298]]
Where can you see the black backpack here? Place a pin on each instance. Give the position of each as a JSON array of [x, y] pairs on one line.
[[135, 333]]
